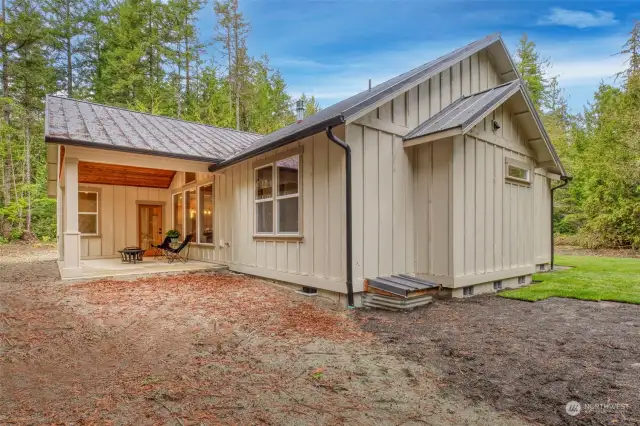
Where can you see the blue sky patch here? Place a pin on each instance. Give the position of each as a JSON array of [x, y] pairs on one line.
[[331, 48]]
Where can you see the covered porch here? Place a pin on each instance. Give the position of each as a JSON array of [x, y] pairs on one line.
[[108, 201]]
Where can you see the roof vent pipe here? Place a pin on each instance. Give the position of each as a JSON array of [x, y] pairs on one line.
[[300, 110]]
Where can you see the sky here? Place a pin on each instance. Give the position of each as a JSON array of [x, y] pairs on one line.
[[331, 48]]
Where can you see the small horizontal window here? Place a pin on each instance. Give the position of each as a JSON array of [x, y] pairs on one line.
[[517, 171]]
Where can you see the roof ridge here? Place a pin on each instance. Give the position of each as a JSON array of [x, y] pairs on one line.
[[420, 68], [153, 115]]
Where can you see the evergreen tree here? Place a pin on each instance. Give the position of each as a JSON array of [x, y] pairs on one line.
[[532, 69]]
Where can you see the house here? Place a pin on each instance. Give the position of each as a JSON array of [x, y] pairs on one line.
[[442, 173]]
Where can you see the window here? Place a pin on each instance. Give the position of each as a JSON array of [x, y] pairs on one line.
[[497, 285], [278, 212], [521, 280], [206, 214], [287, 196], [467, 291], [517, 170], [192, 217], [178, 212], [88, 212], [189, 177]]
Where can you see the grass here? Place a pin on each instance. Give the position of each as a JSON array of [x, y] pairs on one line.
[[592, 278]]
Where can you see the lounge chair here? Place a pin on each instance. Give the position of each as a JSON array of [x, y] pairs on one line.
[[159, 249], [175, 254]]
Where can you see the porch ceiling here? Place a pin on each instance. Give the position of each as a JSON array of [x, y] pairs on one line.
[[112, 174]]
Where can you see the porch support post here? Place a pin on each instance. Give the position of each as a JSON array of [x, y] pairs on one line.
[[59, 209], [71, 233]]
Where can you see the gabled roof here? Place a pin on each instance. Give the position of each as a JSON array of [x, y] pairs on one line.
[[356, 105], [74, 122], [463, 114], [466, 112]]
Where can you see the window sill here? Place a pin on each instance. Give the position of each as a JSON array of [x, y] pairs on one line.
[[516, 180], [292, 238], [90, 236]]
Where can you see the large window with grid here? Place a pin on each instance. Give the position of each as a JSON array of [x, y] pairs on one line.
[[277, 198]]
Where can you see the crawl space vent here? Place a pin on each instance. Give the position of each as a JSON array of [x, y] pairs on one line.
[[467, 291]]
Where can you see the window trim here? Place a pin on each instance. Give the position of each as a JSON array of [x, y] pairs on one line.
[[96, 213], [512, 162], [198, 207], [272, 162], [173, 212], [185, 209]]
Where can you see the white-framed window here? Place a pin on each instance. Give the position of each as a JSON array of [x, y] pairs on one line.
[[517, 171], [277, 197], [178, 212], [205, 214], [193, 213], [88, 212]]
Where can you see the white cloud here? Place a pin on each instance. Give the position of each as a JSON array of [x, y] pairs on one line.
[[579, 18], [581, 70]]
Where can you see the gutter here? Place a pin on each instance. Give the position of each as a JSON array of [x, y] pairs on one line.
[[565, 182], [94, 145], [347, 151], [294, 136]]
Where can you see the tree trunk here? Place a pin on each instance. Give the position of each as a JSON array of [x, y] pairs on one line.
[[69, 53], [27, 159], [186, 61], [6, 165], [236, 76]]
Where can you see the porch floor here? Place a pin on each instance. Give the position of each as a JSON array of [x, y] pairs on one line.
[[100, 268]]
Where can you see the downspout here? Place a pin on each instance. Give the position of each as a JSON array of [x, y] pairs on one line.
[[347, 151], [565, 182]]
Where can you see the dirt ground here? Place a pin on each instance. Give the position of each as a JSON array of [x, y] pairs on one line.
[[527, 358], [203, 349], [228, 349]]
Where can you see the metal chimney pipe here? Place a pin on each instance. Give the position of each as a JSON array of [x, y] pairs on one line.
[[300, 109]]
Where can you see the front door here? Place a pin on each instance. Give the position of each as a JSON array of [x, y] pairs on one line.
[[150, 220]]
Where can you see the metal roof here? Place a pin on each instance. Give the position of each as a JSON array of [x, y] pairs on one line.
[[75, 122], [344, 110], [466, 111]]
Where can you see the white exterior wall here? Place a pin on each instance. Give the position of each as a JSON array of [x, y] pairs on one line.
[[118, 218], [542, 219], [318, 258]]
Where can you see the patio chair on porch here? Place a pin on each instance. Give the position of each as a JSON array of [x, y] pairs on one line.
[[175, 254], [159, 249]]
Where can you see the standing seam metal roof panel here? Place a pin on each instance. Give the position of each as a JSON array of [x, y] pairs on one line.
[[89, 124], [466, 110]]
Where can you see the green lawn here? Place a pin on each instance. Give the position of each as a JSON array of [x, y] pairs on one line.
[[592, 278]]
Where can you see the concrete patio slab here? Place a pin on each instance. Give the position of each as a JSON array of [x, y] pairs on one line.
[[101, 268]]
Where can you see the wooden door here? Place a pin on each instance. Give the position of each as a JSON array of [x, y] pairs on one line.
[[149, 226]]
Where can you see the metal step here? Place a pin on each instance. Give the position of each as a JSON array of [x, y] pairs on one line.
[[402, 285], [389, 303]]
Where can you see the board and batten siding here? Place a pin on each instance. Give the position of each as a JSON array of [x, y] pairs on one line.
[[542, 201], [383, 233], [118, 218], [319, 258], [493, 216]]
